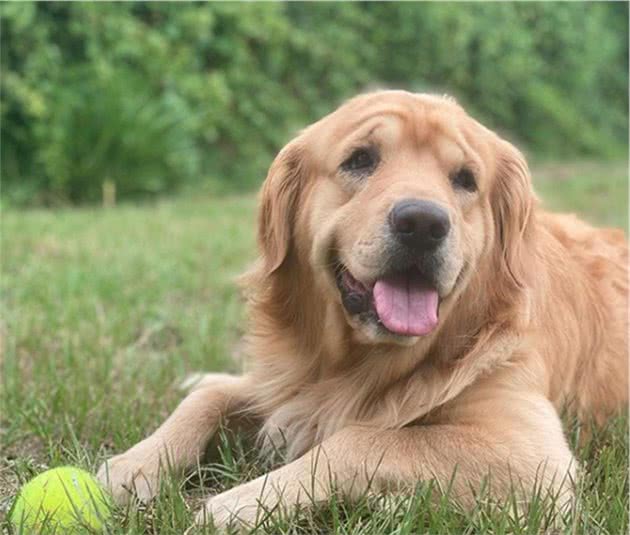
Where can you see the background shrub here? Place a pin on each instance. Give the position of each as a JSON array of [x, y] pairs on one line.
[[158, 96]]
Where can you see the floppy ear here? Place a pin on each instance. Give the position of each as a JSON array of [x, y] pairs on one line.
[[513, 202], [278, 206]]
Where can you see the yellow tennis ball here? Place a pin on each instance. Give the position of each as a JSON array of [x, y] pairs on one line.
[[61, 500]]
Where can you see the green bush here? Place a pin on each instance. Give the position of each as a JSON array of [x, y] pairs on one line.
[[112, 128], [159, 96]]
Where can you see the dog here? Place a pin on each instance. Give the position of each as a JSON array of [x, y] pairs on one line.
[[415, 315]]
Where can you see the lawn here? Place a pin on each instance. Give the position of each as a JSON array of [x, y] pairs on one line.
[[106, 310]]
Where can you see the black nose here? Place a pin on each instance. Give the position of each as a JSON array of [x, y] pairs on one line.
[[420, 225]]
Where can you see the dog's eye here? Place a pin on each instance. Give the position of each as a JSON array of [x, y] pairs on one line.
[[464, 178], [361, 161]]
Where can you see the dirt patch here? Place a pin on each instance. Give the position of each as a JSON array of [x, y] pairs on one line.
[[24, 459]]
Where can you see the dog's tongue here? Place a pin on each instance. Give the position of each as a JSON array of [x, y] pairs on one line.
[[405, 305]]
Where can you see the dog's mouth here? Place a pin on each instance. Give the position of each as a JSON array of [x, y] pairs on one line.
[[405, 303]]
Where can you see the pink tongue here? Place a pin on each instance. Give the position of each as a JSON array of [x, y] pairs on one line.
[[405, 305]]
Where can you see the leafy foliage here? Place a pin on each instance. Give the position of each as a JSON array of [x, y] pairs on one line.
[[156, 96]]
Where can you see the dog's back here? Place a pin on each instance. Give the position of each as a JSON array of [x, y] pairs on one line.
[[583, 304]]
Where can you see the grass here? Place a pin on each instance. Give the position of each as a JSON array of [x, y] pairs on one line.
[[104, 311]]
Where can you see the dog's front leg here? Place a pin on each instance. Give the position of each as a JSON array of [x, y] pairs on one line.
[[458, 456], [179, 442]]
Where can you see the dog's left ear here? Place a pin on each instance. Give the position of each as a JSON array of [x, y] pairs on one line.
[[513, 202], [278, 205]]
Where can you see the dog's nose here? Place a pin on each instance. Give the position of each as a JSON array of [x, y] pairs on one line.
[[420, 225]]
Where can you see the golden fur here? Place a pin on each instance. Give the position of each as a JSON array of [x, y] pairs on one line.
[[534, 318]]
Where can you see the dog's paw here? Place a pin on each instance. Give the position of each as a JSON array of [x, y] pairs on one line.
[[135, 473], [239, 507]]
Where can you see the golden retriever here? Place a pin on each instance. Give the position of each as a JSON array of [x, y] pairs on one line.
[[414, 315]]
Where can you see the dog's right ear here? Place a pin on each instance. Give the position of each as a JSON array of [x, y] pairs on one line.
[[278, 205], [513, 202]]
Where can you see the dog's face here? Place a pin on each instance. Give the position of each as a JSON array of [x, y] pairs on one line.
[[388, 200]]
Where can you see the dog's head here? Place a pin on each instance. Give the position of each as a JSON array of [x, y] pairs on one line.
[[393, 203]]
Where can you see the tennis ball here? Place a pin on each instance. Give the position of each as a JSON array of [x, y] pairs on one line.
[[61, 500]]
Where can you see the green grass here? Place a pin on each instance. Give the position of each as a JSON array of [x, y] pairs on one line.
[[104, 311], [598, 193]]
